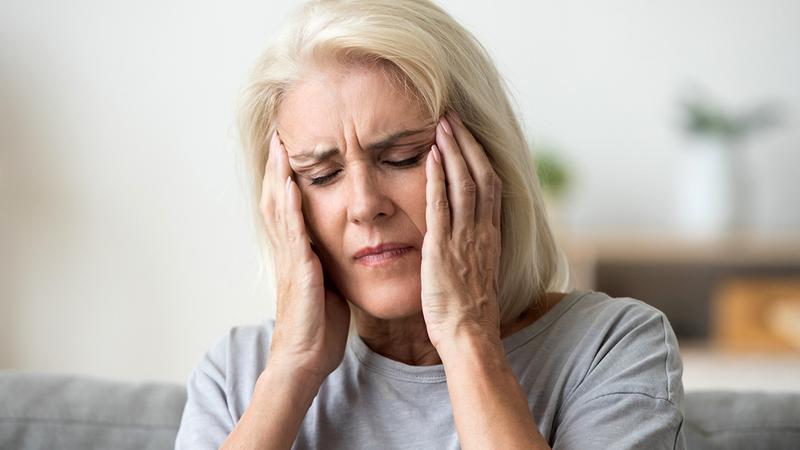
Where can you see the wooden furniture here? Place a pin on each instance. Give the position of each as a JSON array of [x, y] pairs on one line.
[[757, 314], [680, 275]]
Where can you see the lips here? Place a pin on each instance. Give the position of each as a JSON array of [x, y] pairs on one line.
[[385, 256], [392, 247]]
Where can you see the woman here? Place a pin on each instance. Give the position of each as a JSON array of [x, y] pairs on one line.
[[417, 279]]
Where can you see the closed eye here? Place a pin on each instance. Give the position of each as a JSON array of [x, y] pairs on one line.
[[404, 163], [325, 178]]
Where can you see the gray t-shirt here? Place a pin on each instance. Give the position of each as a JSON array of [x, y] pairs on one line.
[[599, 373]]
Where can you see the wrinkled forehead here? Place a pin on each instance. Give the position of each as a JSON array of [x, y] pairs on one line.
[[344, 107]]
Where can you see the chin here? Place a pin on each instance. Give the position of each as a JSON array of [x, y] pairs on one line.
[[389, 292], [387, 300]]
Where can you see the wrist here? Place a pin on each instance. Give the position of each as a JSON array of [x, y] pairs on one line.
[[306, 370], [300, 383], [469, 345]]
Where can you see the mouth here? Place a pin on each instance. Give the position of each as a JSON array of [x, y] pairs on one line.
[[382, 254]]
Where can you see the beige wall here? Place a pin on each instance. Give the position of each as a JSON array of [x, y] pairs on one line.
[[126, 246]]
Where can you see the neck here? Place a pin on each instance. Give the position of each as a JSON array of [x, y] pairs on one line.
[[406, 339]]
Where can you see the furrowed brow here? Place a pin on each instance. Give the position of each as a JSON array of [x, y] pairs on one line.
[[389, 141]]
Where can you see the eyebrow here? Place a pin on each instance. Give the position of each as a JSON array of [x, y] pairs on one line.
[[390, 141]]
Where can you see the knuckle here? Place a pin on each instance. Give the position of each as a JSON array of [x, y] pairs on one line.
[[441, 205], [466, 236], [489, 177], [486, 236], [470, 239], [493, 179], [468, 186]]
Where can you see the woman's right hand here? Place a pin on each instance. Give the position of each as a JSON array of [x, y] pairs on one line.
[[312, 319]]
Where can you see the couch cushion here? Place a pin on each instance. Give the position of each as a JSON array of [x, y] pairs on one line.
[[40, 411], [742, 420]]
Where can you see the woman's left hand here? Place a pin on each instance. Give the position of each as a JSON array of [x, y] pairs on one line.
[[461, 249]]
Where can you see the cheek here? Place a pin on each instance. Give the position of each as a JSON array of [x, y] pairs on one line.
[[406, 189], [408, 193], [319, 211]]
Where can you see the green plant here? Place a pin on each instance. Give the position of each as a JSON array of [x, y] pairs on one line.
[[703, 117], [552, 171]]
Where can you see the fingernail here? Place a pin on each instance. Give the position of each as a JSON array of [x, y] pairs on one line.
[[436, 156], [288, 183], [446, 126]]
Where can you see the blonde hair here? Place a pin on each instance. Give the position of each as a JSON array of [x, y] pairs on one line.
[[444, 67]]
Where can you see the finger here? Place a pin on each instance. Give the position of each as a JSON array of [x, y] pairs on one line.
[[460, 186], [437, 210], [481, 169], [268, 203], [282, 171], [296, 236]]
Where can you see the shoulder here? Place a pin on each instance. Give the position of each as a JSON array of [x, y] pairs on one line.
[[247, 336], [625, 373], [628, 346], [596, 315], [225, 376], [244, 345], [599, 305], [236, 358], [220, 386]]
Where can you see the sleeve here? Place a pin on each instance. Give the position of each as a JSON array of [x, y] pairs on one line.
[[631, 396], [206, 420]]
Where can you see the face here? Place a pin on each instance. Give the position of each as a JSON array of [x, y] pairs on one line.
[[358, 146]]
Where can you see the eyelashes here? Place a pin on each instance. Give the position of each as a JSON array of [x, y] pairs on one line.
[[402, 164], [324, 179]]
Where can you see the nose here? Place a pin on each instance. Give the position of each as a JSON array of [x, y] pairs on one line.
[[366, 200]]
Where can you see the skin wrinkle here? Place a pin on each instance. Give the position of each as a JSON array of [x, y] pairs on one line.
[[388, 142], [367, 202]]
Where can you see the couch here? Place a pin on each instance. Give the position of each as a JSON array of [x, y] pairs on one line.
[[43, 411]]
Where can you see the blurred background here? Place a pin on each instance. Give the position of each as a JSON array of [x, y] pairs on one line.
[[667, 134]]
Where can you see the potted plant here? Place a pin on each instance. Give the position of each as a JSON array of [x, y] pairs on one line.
[[554, 178], [714, 191]]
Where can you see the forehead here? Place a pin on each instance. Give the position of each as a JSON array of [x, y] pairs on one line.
[[336, 105]]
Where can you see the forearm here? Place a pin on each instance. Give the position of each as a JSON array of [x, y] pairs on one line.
[[489, 406], [272, 420]]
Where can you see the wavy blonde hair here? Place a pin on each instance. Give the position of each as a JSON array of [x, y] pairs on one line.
[[444, 67]]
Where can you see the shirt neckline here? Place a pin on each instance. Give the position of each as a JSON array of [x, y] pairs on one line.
[[397, 370]]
